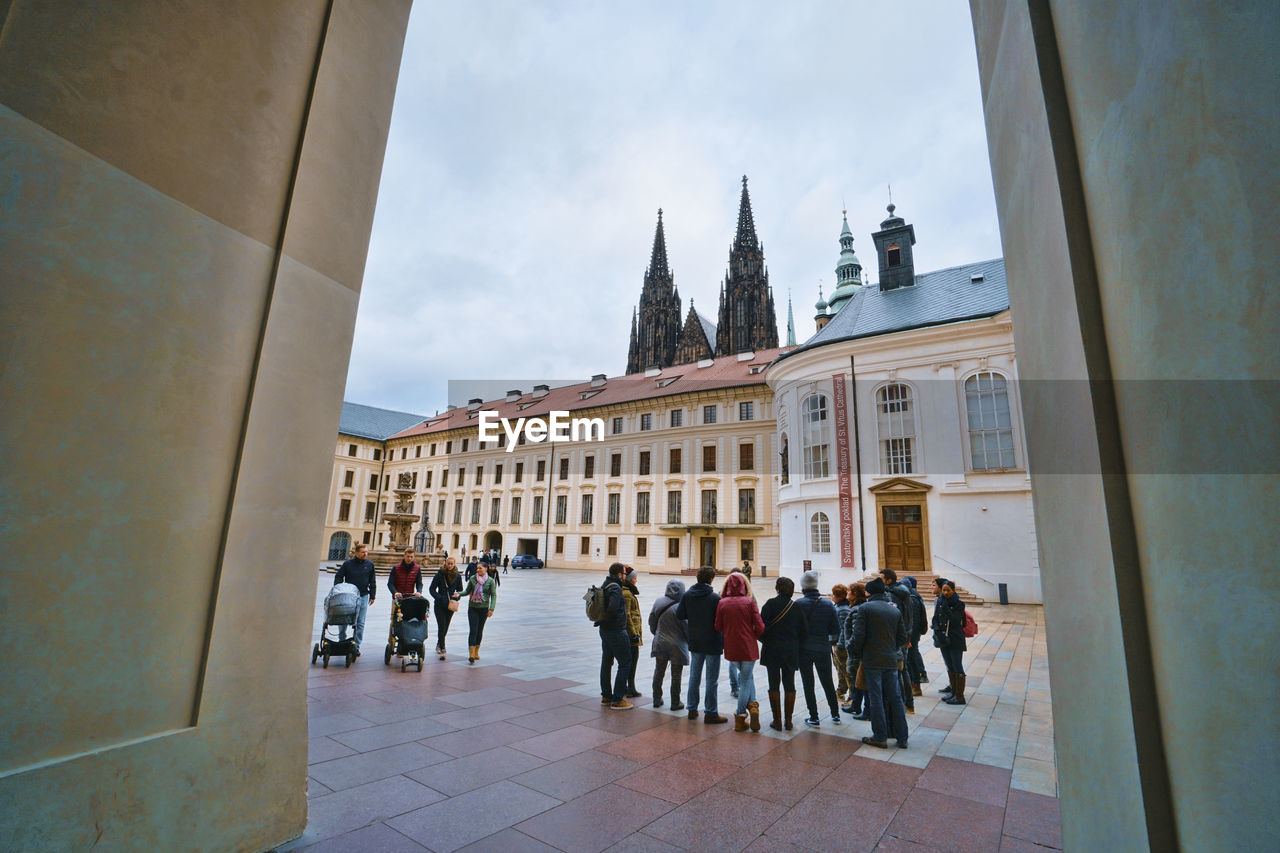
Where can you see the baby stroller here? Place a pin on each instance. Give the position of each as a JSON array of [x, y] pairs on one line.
[[339, 611], [408, 631]]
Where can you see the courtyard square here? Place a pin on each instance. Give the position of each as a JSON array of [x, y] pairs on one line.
[[516, 753]]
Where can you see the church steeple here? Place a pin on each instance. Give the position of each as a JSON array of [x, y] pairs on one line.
[[791, 323], [848, 270], [747, 320], [655, 325]]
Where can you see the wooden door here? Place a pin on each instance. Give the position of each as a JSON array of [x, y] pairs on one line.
[[902, 531], [707, 551]]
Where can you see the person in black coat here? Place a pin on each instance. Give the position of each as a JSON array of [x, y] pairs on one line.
[[706, 644], [784, 627], [446, 586], [879, 636], [358, 571], [900, 597], [615, 645], [815, 651], [948, 636]]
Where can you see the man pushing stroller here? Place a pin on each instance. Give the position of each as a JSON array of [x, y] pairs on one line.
[[359, 572], [404, 580]]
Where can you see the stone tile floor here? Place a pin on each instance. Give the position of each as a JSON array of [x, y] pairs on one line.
[[516, 753]]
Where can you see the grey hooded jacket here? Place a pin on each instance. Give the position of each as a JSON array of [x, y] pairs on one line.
[[670, 633]]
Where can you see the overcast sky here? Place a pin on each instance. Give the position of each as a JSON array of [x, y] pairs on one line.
[[532, 144]]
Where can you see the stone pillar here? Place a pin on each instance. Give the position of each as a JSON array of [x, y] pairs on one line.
[[1133, 151], [189, 189]]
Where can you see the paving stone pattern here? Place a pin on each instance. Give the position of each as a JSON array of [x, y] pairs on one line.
[[516, 753]]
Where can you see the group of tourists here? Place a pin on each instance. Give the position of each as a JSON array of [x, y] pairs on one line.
[[867, 635], [447, 590]]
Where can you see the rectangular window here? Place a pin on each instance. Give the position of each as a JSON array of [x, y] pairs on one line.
[[440, 511], [564, 468], [417, 451], [448, 448], [588, 467], [642, 547], [677, 418], [673, 507], [542, 470], [537, 510], [896, 455], [520, 472], [475, 510], [352, 450], [562, 509], [613, 546], [646, 422], [377, 454], [349, 479], [479, 475], [615, 508], [444, 479], [708, 414], [990, 422], [644, 463], [465, 442], [497, 473], [432, 452], [748, 549], [495, 510], [708, 506], [746, 506], [414, 480], [404, 453], [584, 547], [746, 456], [746, 411], [708, 457], [515, 511], [373, 482], [617, 426], [344, 510], [673, 466], [366, 537], [615, 465], [642, 508], [457, 511], [673, 548], [817, 461], [386, 483], [370, 510], [428, 485], [588, 508], [559, 544]]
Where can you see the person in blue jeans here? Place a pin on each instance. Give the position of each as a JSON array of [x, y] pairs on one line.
[[615, 644], [879, 638], [698, 608], [358, 571]]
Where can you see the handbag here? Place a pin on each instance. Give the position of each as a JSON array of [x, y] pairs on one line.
[[860, 680], [453, 605]]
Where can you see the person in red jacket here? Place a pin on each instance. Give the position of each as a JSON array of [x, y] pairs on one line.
[[738, 618], [406, 576]]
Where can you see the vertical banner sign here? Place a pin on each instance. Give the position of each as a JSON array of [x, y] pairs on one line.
[[844, 472]]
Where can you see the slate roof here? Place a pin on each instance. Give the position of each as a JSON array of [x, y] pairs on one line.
[[943, 296], [724, 372], [372, 422]]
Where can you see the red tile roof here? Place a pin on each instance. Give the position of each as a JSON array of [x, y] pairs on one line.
[[724, 372]]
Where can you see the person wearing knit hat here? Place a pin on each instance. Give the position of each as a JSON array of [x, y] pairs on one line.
[[815, 647], [879, 634], [635, 627], [875, 586]]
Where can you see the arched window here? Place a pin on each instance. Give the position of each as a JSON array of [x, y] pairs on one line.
[[817, 451], [896, 426], [819, 533], [339, 546], [990, 425]]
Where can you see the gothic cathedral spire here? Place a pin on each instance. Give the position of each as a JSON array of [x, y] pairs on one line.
[[655, 324], [747, 320]]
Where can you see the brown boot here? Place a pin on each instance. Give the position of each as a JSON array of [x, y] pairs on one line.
[[740, 722], [957, 690], [790, 707], [753, 710], [477, 653], [471, 654], [915, 689], [775, 708]]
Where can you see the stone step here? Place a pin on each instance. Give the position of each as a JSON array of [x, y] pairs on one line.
[[924, 585]]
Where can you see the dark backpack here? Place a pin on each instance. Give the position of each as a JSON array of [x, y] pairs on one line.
[[919, 615], [597, 604]]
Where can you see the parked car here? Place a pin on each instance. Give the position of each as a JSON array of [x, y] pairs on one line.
[[526, 561]]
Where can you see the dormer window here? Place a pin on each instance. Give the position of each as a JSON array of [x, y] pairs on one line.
[[893, 255]]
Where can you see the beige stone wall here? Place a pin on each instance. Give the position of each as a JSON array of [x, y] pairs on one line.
[[367, 474], [183, 236], [1133, 151]]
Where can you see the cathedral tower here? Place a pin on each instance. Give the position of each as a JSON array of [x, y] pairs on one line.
[[655, 324], [747, 319]]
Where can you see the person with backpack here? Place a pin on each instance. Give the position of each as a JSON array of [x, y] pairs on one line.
[[815, 648], [608, 611], [839, 650], [949, 637], [919, 626], [900, 596], [784, 629], [698, 608], [670, 645], [879, 635], [858, 707]]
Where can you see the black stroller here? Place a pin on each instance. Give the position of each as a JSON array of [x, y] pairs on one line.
[[408, 631], [340, 607]]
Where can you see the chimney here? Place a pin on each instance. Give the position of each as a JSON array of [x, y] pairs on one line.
[[541, 390], [653, 371], [598, 380], [513, 395], [474, 403]]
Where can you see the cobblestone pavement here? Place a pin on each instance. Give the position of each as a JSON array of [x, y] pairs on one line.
[[516, 753]]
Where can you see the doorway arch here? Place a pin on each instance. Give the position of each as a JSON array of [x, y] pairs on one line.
[[493, 541], [339, 545]]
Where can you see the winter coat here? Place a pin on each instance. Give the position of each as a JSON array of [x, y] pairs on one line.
[[846, 632], [614, 605], [842, 614], [919, 613], [404, 579], [635, 622], [670, 633], [878, 633], [738, 619], [900, 597], [442, 589], [948, 623], [360, 573], [698, 608], [820, 616], [780, 642], [489, 593]]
